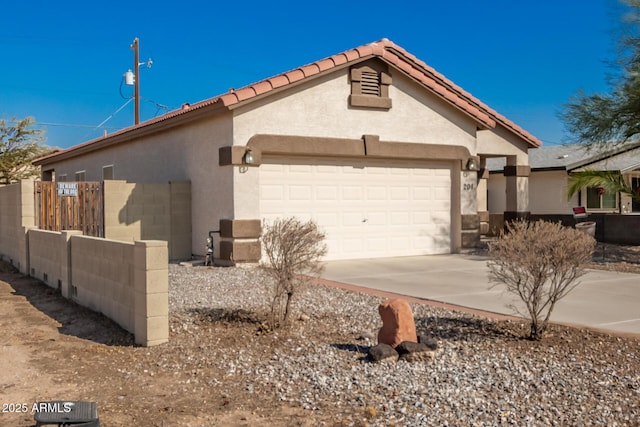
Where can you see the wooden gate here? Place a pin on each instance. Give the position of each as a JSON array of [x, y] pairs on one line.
[[70, 206]]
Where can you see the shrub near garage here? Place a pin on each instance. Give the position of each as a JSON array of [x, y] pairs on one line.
[[293, 250], [540, 263]]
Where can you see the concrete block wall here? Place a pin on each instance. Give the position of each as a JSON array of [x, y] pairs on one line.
[[49, 257], [151, 292], [127, 282], [17, 215], [102, 277], [150, 212]]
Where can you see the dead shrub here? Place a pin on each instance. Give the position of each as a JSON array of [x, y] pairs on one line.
[[540, 263], [293, 252]]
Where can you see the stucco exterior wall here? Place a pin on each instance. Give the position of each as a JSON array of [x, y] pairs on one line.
[[321, 109], [185, 153], [499, 142], [497, 193], [547, 193]]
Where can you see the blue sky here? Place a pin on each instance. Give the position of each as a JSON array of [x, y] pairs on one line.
[[62, 62]]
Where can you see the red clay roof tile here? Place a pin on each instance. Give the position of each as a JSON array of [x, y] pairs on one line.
[[339, 59], [279, 81], [262, 87], [326, 64], [352, 55], [246, 93], [365, 50], [310, 70], [295, 75]]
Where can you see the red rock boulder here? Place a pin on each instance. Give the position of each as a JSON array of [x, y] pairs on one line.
[[397, 323]]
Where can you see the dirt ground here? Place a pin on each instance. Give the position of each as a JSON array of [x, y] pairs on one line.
[[52, 349]]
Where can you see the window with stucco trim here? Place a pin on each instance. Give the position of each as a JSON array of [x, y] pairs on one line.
[[599, 199], [80, 175], [370, 83]]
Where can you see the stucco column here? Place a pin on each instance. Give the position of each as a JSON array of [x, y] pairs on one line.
[[517, 177], [65, 253], [470, 226], [483, 203]]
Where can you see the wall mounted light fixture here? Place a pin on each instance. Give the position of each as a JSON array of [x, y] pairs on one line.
[[248, 157], [472, 164]]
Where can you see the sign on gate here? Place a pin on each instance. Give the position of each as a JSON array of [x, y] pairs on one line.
[[68, 189]]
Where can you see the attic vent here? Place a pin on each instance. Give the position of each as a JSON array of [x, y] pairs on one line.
[[370, 83]]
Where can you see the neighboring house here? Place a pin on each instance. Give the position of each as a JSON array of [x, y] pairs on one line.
[[550, 170], [548, 183], [372, 143]]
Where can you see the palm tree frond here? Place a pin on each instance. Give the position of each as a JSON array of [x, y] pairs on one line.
[[610, 181]]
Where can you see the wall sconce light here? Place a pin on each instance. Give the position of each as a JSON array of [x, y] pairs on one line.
[[472, 164], [248, 157]]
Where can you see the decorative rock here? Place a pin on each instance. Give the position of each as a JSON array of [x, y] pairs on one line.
[[397, 323], [415, 352], [430, 342], [382, 353]]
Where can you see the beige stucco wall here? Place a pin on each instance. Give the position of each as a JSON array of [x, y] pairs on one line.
[[499, 142], [184, 153], [320, 108], [547, 193], [497, 193]]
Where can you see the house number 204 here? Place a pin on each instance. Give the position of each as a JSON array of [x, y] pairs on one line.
[[468, 187]]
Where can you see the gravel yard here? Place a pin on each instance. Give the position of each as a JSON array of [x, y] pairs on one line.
[[222, 367], [484, 373]]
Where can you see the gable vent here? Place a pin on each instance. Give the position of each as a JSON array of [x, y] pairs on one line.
[[370, 83]]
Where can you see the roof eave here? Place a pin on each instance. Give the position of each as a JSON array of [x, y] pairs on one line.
[[177, 118]]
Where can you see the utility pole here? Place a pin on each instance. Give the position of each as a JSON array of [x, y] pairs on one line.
[[136, 81]]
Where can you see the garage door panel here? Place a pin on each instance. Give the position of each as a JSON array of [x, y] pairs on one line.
[[366, 209], [351, 194], [327, 193]]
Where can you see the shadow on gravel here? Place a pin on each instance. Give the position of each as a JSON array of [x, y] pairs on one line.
[[74, 319], [467, 328], [238, 315], [355, 348]]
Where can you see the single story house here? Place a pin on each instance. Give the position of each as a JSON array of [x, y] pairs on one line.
[[384, 152], [548, 183]]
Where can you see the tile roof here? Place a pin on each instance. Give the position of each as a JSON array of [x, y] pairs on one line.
[[572, 157], [383, 49]]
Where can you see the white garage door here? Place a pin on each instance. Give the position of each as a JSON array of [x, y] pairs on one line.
[[367, 209]]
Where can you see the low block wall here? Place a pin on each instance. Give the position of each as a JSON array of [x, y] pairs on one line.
[[610, 228], [17, 215], [127, 282]]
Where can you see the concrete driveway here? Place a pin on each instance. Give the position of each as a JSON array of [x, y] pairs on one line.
[[604, 299]]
